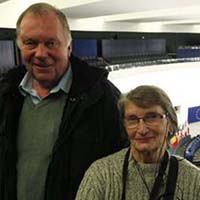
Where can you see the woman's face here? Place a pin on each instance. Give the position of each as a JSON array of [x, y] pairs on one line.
[[148, 134]]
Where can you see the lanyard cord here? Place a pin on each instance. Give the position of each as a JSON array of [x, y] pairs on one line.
[[124, 174], [159, 177], [158, 180]]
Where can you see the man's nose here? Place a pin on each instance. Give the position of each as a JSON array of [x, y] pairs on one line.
[[41, 51]]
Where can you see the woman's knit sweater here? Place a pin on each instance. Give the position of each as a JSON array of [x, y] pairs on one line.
[[103, 180]]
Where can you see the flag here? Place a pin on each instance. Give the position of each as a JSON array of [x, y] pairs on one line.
[[174, 141], [193, 114]]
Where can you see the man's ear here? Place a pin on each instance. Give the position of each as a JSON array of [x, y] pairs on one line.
[[69, 49]]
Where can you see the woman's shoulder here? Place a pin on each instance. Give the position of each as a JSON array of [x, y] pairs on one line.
[[185, 163], [186, 167], [113, 158]]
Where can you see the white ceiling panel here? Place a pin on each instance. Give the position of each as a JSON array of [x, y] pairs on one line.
[[104, 15]]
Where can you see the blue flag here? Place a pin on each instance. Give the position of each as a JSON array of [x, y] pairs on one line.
[[194, 114]]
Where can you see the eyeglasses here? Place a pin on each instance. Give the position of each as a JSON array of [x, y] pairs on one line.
[[150, 119]]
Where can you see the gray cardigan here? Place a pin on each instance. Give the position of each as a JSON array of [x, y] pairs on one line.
[[103, 180]]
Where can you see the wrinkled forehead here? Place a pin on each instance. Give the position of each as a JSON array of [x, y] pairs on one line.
[[43, 15], [37, 23]]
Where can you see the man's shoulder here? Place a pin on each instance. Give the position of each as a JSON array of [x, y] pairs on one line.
[[12, 78], [89, 77], [15, 73], [85, 68]]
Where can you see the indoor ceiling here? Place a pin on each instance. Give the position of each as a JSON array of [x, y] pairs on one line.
[[117, 15], [137, 11], [136, 15]]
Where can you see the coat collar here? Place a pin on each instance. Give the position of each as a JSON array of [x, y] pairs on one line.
[[84, 76]]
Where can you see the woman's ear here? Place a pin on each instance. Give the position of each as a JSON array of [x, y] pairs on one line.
[[169, 130]]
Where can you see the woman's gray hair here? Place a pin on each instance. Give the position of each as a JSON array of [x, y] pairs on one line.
[[43, 9], [145, 96]]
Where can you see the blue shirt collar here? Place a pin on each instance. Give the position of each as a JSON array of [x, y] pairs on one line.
[[25, 87]]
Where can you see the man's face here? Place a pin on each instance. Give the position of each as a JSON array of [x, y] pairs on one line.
[[44, 47], [146, 136]]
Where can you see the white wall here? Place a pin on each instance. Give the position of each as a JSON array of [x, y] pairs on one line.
[[181, 81]]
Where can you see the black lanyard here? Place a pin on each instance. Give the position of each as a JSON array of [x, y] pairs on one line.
[[155, 190]]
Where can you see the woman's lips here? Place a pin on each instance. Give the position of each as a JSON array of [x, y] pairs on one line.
[[144, 139]]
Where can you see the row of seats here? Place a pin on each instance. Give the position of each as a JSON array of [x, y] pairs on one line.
[[116, 63], [150, 62]]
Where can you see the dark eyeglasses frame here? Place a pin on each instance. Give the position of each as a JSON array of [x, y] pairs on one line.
[[145, 119]]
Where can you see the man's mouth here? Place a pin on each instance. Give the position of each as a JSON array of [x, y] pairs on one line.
[[41, 65]]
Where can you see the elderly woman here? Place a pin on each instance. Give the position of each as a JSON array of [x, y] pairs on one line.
[[145, 170]]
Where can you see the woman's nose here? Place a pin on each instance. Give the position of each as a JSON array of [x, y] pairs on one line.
[[141, 127]]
